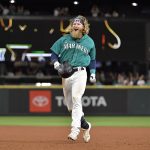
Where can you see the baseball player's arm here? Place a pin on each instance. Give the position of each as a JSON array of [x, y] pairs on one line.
[[92, 68], [92, 65], [61, 68], [55, 49], [54, 57], [54, 60]]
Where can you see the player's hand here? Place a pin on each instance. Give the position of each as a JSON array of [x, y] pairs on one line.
[[58, 67], [93, 78]]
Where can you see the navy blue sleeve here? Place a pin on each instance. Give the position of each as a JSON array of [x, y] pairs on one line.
[[92, 66], [54, 57]]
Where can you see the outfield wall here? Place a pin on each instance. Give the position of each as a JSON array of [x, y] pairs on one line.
[[107, 100]]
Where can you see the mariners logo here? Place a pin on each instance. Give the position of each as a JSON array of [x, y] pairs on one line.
[[76, 46]]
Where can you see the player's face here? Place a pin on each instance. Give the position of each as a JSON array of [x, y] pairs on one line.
[[77, 26], [77, 29]]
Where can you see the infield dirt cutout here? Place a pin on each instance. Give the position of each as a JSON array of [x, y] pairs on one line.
[[55, 138]]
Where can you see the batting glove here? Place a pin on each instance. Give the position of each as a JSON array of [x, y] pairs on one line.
[[56, 65], [93, 78]]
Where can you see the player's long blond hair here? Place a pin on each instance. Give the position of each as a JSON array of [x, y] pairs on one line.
[[85, 23]]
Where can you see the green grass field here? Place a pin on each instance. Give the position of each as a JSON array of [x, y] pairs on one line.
[[124, 121]]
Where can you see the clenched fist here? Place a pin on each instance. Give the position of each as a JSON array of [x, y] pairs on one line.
[[93, 78]]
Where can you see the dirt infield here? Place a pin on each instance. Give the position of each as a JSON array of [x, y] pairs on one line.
[[55, 138]]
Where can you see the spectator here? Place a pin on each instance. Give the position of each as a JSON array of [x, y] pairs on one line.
[[120, 79], [64, 11], [108, 14], [12, 9], [115, 14], [5, 10], [141, 80], [57, 11], [95, 11], [20, 10], [26, 12]]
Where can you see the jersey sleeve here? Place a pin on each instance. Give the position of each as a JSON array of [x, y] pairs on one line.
[[56, 47], [93, 52]]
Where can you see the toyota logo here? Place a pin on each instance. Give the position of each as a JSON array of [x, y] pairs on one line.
[[40, 101]]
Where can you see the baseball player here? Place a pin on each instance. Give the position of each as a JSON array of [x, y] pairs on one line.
[[78, 50]]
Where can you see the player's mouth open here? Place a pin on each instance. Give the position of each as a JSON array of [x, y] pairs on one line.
[[75, 29]]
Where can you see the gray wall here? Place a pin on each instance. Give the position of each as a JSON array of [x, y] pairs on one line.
[[97, 101]]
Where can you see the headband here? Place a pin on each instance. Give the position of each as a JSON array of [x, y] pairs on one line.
[[78, 20]]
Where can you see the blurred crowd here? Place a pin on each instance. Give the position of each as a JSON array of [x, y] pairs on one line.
[[13, 10], [58, 11], [94, 10], [123, 73], [108, 73], [130, 78]]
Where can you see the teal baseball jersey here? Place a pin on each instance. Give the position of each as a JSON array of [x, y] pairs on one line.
[[78, 52]]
